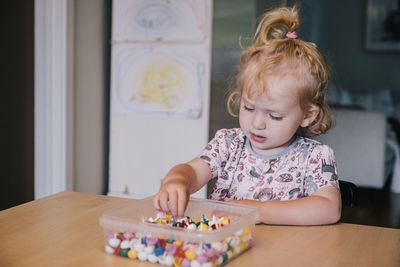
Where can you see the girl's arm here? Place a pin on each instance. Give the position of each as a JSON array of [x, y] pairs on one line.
[[322, 207], [181, 181]]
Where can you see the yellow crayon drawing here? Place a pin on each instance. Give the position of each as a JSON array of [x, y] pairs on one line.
[[162, 82]]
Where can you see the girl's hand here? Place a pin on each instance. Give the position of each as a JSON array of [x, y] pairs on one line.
[[181, 181], [173, 196]]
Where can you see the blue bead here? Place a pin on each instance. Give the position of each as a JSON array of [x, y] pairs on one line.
[[159, 251], [143, 240]]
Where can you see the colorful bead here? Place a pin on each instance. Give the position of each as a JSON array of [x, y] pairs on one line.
[[168, 251], [151, 241], [190, 254], [177, 243], [114, 242], [159, 251], [125, 244], [178, 261], [152, 258], [132, 254], [124, 252], [185, 263], [128, 236], [142, 256], [109, 250]]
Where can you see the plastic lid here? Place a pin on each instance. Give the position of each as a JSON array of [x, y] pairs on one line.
[[130, 218]]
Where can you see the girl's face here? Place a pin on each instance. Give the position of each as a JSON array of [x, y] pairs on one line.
[[270, 120]]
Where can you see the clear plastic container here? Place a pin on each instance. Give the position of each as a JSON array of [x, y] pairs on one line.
[[128, 234]]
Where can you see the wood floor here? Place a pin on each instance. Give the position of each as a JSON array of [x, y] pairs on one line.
[[375, 207]]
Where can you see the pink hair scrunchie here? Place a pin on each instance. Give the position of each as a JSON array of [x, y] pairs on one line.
[[291, 35]]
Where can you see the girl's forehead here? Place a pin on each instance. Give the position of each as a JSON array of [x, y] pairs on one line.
[[275, 87]]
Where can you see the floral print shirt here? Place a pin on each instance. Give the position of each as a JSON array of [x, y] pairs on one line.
[[298, 171]]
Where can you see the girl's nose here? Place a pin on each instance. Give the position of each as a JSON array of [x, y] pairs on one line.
[[259, 121]]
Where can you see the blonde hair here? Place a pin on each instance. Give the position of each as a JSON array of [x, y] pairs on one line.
[[274, 53]]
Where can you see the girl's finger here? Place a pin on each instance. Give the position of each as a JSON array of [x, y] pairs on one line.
[[164, 198], [173, 203], [156, 202], [182, 202]]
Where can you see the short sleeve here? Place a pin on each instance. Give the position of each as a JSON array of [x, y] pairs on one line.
[[216, 153], [321, 169]]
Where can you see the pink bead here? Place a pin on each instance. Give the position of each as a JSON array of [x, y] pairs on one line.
[[151, 241], [186, 262], [171, 249], [202, 259], [211, 252], [128, 235]]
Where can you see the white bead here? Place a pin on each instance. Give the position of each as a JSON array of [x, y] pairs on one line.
[[168, 260], [109, 250], [114, 242], [125, 244], [238, 233], [142, 256], [149, 249], [198, 250], [229, 253], [220, 260], [134, 242], [237, 249], [195, 263], [139, 247], [207, 264], [217, 246], [235, 241], [224, 247], [152, 258], [192, 226]]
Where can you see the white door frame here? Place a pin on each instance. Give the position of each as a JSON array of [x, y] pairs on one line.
[[53, 96]]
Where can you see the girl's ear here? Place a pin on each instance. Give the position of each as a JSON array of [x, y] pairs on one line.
[[310, 115]]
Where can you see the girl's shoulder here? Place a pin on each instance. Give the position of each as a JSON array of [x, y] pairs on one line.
[[230, 134], [313, 145], [229, 138]]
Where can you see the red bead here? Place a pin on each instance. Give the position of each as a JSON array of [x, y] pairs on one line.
[[121, 237], [162, 243], [117, 251], [180, 252]]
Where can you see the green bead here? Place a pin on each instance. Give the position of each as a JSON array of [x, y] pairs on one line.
[[225, 258], [124, 252], [170, 240]]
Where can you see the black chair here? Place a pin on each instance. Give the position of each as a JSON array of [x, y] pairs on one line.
[[349, 193]]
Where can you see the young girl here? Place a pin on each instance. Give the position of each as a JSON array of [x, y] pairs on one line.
[[269, 162]]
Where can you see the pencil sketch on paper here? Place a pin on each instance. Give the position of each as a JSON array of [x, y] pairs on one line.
[[160, 20], [157, 80]]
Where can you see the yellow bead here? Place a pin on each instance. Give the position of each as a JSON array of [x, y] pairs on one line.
[[226, 221], [132, 254], [243, 246], [202, 226], [178, 261], [190, 254], [246, 230], [177, 243], [233, 252]]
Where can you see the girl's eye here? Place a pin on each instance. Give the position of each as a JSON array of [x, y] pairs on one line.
[[274, 117], [248, 109]]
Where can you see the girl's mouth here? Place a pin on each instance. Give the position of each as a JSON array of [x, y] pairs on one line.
[[257, 138]]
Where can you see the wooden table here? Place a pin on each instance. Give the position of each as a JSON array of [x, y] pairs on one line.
[[63, 230]]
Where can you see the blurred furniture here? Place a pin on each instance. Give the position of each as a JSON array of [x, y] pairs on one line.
[[349, 193], [359, 141], [63, 230]]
